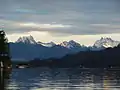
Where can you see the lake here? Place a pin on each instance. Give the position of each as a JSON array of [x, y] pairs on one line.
[[63, 79]]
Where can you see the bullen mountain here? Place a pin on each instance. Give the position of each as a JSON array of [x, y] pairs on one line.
[[26, 48]]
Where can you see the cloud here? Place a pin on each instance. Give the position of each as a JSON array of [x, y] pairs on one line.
[[71, 17], [106, 26], [36, 25], [81, 20], [100, 25], [60, 29]]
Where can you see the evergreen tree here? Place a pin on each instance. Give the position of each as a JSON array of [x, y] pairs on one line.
[[118, 45], [4, 49], [3, 43]]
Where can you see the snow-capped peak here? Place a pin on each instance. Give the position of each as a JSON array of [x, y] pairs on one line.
[[26, 40], [49, 44], [70, 44], [106, 42]]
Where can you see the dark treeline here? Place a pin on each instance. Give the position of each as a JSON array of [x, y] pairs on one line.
[[91, 59]]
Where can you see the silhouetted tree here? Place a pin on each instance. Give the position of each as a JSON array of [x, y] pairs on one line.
[[118, 45], [4, 49]]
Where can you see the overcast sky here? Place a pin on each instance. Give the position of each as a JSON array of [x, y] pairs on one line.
[[58, 20]]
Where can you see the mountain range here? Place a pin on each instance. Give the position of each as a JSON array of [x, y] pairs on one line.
[[26, 48]]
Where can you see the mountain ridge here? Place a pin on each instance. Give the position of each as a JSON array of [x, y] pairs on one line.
[[27, 48], [105, 42]]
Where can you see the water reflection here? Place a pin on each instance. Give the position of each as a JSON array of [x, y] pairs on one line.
[[4, 76], [63, 79]]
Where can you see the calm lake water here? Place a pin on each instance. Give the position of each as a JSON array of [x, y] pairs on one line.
[[63, 79]]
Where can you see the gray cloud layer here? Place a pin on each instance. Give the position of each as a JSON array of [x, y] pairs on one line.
[[74, 17]]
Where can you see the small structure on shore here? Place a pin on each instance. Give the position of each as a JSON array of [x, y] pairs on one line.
[[22, 66]]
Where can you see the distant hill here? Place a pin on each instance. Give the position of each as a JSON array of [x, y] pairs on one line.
[[30, 51], [92, 59]]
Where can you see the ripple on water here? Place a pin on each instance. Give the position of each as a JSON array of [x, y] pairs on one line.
[[63, 79]]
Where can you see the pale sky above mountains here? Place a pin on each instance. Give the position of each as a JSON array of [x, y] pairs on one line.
[[58, 20]]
